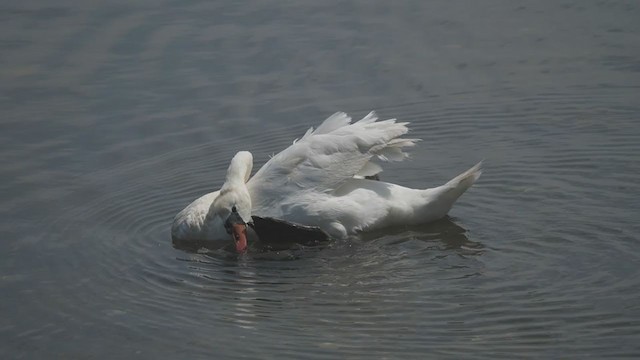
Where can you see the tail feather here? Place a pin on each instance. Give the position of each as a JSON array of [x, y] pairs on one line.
[[467, 178], [459, 184], [441, 199]]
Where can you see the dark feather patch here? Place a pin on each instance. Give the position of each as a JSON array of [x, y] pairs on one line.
[[275, 232]]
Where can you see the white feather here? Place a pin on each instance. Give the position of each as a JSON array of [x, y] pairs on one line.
[[315, 181], [369, 169]]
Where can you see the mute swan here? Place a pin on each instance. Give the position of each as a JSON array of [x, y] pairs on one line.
[[320, 181]]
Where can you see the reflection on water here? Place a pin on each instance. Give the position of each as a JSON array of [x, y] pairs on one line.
[[443, 234], [117, 114]]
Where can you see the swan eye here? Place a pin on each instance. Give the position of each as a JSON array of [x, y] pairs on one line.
[[233, 209]]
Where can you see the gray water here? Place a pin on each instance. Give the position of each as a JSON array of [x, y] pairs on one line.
[[116, 114]]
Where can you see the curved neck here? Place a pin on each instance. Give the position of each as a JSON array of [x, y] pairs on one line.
[[234, 191], [240, 169]]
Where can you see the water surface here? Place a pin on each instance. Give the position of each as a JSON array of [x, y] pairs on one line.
[[116, 114]]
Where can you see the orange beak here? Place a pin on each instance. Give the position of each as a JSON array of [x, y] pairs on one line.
[[239, 232]]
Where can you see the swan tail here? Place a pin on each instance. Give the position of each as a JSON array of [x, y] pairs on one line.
[[464, 181], [441, 199]]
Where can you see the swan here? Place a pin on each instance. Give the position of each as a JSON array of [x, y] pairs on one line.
[[321, 180]]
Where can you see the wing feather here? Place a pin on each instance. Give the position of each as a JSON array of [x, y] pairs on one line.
[[325, 158]]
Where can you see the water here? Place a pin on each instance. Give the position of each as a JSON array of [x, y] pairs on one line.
[[116, 114]]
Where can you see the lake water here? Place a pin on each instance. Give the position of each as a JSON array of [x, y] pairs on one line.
[[116, 114]]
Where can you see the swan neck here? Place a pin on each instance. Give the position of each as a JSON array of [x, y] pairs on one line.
[[240, 168]]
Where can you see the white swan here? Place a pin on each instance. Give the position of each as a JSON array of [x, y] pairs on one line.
[[319, 181]]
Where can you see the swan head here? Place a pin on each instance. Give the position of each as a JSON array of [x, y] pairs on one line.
[[233, 205], [237, 228]]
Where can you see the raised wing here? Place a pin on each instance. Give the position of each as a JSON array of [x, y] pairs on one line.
[[324, 158]]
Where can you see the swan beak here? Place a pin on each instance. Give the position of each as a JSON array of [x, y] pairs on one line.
[[239, 232], [237, 228]]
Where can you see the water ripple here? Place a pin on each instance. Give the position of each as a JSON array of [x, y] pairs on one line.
[[134, 111]]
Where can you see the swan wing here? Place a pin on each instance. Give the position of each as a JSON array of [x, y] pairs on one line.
[[325, 158]]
